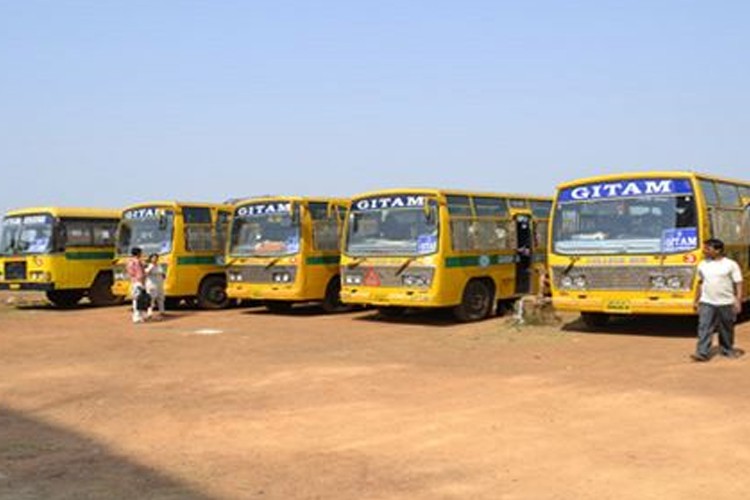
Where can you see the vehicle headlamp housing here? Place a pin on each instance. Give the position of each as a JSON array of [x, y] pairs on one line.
[[416, 280], [352, 279], [574, 282], [281, 277], [234, 275]]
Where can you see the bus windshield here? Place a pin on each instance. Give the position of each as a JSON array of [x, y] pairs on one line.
[[148, 229], [393, 225], [265, 230], [28, 234], [644, 223]]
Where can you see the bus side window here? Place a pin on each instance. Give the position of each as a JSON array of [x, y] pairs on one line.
[[78, 233], [104, 234], [198, 230], [324, 226], [222, 227]]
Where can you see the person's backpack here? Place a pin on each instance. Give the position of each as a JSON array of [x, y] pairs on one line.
[[142, 300]]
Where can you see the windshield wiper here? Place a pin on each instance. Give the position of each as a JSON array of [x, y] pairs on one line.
[[273, 262], [573, 260], [403, 266], [357, 261]]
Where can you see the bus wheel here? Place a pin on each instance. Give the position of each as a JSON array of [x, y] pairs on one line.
[[278, 306], [391, 312], [595, 320], [476, 302], [332, 301], [65, 298], [100, 293], [213, 293]]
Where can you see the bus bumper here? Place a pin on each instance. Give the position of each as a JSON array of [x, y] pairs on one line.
[[247, 291], [26, 285], [625, 306], [390, 297]]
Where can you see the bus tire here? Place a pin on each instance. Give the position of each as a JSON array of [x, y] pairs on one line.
[[212, 293], [100, 293], [595, 320], [391, 312], [332, 300], [278, 306], [65, 298], [477, 302]]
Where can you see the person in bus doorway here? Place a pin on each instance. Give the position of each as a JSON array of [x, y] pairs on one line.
[[155, 285], [137, 274], [718, 302]]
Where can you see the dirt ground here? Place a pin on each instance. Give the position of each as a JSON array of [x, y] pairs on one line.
[[244, 404]]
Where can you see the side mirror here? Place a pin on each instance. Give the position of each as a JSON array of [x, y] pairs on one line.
[[429, 213], [295, 212], [60, 237]]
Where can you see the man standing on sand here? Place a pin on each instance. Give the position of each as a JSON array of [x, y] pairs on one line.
[[137, 274], [718, 302]]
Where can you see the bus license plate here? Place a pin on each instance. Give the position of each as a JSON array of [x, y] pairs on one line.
[[15, 286], [618, 306]]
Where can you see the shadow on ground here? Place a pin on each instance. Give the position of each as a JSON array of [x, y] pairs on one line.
[[420, 317], [38, 460], [652, 326], [298, 310]]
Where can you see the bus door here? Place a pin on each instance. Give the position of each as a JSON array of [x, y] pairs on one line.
[[524, 252]]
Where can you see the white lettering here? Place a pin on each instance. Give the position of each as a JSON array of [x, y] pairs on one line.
[[263, 209], [612, 188], [580, 193], [383, 203], [631, 188], [661, 187]]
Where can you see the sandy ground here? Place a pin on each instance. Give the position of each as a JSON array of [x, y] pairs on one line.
[[244, 404]]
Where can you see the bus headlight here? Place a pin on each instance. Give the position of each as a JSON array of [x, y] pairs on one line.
[[39, 276], [566, 282], [119, 275], [234, 276], [416, 280], [282, 277], [658, 282], [674, 282], [580, 281], [353, 279]]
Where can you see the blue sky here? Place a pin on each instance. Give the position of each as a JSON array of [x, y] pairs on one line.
[[107, 103]]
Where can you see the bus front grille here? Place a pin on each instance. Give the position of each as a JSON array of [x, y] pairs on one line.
[[264, 274], [624, 277], [15, 270], [391, 276]]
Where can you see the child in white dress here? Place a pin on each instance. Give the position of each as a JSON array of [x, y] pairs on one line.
[[155, 276]]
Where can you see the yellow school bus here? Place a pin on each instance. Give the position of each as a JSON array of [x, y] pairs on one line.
[[630, 243], [284, 250], [189, 239], [440, 248], [64, 252]]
